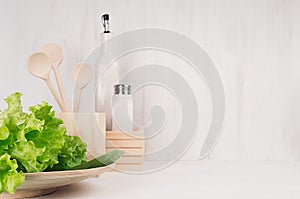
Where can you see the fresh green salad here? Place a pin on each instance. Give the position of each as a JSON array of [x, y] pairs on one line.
[[35, 142]]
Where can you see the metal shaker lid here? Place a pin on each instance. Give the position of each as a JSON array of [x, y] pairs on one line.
[[122, 89]]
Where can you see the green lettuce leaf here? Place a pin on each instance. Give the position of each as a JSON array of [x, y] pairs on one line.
[[101, 161], [4, 133], [73, 153], [13, 117], [26, 153], [51, 136], [10, 178]]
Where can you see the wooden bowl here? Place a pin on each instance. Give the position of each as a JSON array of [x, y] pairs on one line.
[[42, 183]]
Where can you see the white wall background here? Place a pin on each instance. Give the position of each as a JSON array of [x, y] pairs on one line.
[[255, 45]]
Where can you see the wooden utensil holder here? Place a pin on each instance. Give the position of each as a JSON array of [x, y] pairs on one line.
[[90, 127]]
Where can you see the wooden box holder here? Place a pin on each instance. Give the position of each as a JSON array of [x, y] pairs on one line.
[[133, 144]]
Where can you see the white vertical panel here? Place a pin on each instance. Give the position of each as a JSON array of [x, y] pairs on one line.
[[254, 44]]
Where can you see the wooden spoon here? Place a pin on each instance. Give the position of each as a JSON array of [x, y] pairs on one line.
[[38, 64], [56, 55], [82, 74]]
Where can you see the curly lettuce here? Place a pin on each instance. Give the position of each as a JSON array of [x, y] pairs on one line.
[[34, 142], [10, 178]]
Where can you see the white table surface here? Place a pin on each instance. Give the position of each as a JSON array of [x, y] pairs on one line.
[[195, 179]]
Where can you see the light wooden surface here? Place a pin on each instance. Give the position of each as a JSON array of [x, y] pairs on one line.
[[194, 180], [117, 135], [131, 160], [129, 151], [254, 44], [125, 143], [129, 167]]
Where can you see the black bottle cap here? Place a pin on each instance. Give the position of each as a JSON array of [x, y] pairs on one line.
[[105, 17]]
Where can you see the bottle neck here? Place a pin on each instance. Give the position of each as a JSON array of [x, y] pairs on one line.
[[106, 26]]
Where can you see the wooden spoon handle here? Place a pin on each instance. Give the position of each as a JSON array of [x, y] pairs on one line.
[[55, 94], [77, 100], [60, 87]]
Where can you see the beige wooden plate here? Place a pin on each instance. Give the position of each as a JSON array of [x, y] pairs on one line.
[[42, 183]]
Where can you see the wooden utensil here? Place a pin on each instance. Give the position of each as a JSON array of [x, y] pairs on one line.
[[38, 64], [55, 54], [82, 74]]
